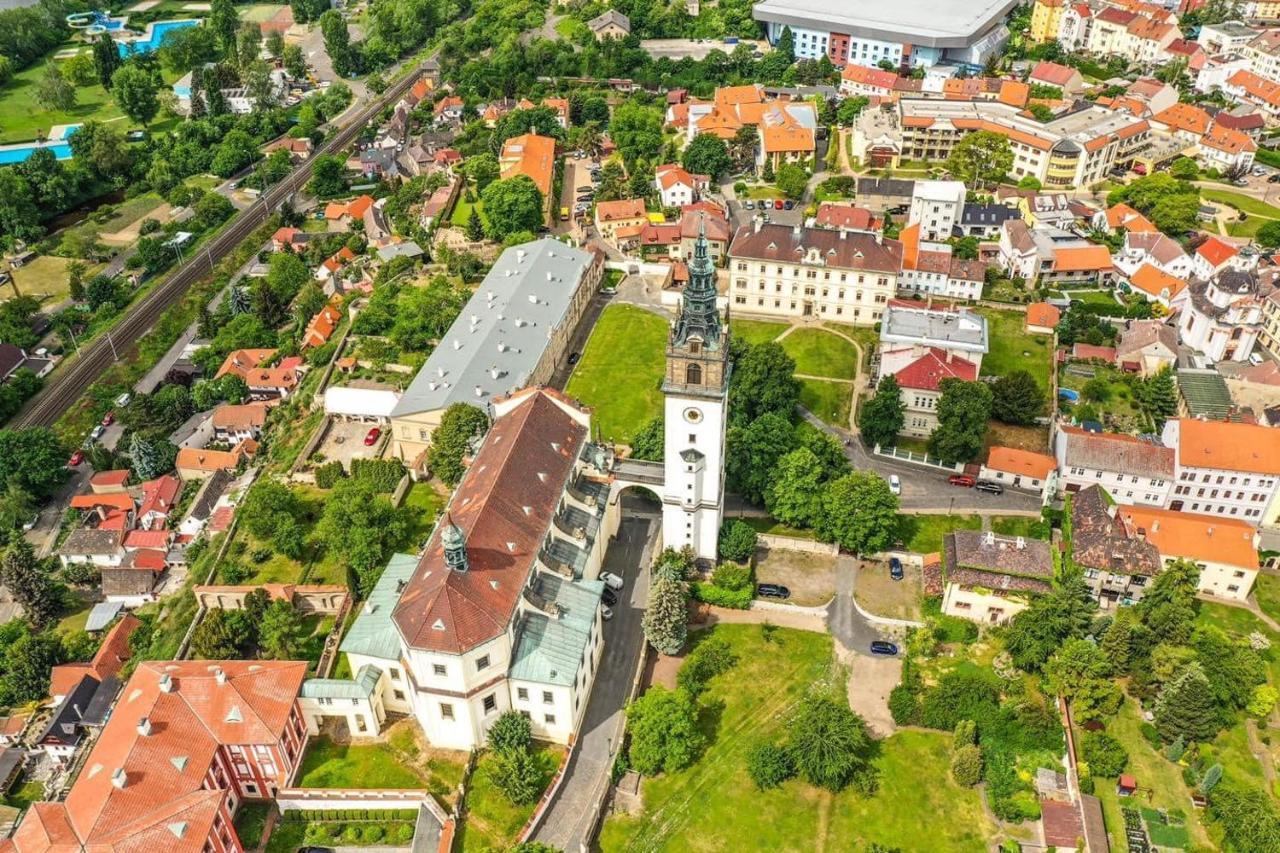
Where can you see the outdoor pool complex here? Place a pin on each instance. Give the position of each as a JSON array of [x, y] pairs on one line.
[[154, 36], [94, 24], [10, 154]]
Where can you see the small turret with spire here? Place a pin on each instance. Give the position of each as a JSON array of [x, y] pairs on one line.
[[455, 545]]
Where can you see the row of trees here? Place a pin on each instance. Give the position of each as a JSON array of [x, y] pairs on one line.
[[263, 628]]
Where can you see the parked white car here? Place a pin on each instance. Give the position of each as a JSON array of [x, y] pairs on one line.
[[611, 580], [895, 485], [606, 612]]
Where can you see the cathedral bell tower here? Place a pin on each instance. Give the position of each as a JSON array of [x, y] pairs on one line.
[[696, 388]]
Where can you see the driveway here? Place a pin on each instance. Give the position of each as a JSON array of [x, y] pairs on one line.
[[926, 490], [871, 677], [569, 818]]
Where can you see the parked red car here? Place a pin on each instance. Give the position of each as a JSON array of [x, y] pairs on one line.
[[108, 419], [76, 459], [778, 204], [961, 480], [372, 438]]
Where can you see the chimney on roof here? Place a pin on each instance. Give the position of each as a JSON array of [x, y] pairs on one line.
[[989, 538], [219, 675], [520, 253], [756, 223], [144, 726], [166, 683], [119, 777], [795, 230], [479, 391], [1022, 544]]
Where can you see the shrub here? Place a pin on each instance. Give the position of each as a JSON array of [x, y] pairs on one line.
[[1150, 734], [382, 474], [709, 593], [510, 732], [711, 658], [769, 765], [403, 833], [732, 576], [351, 834], [903, 705], [966, 765], [328, 475], [960, 696], [372, 832], [1105, 754], [1086, 784], [737, 540]]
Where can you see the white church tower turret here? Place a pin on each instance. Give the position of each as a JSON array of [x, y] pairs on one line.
[[697, 391]]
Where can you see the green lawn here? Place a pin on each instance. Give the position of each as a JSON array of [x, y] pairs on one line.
[[25, 119], [462, 211], [341, 765], [764, 524], [1153, 772], [713, 804], [1249, 204], [250, 820], [24, 795], [492, 822], [819, 353], [443, 767], [620, 373], [1020, 525], [830, 401], [1266, 590], [755, 331], [761, 191], [1011, 348], [425, 504], [46, 278], [923, 533]]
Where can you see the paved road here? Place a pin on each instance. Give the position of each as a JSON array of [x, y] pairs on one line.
[[95, 358], [925, 489], [571, 814]]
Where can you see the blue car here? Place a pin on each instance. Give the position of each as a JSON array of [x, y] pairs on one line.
[[895, 569], [883, 647]]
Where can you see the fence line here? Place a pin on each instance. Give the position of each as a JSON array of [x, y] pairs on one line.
[[916, 458]]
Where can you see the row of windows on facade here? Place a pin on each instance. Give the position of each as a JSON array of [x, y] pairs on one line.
[[743, 284], [777, 303], [1256, 497], [1223, 509], [812, 273], [1263, 482], [1080, 472]]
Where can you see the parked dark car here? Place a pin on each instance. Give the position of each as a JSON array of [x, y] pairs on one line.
[[788, 204], [772, 590], [610, 597], [574, 356], [989, 486], [961, 480], [883, 647], [895, 569]]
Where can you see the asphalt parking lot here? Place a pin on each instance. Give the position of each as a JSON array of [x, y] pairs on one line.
[[344, 441]]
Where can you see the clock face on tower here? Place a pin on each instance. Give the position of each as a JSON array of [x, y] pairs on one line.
[[693, 415]]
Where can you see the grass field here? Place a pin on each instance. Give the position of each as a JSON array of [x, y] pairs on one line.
[[1267, 592], [1240, 201], [341, 765], [462, 212], [830, 401], [620, 373], [492, 822], [1011, 348], [755, 331], [923, 533], [25, 119], [250, 820], [108, 220], [819, 353], [425, 504], [1020, 525], [46, 278], [764, 524], [713, 805]]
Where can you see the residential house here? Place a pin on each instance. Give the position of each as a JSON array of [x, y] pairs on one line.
[[882, 194], [1046, 20], [110, 482], [677, 187], [1214, 255], [781, 271], [1021, 469], [1133, 470], [1146, 346], [274, 383], [921, 384], [196, 464], [107, 661], [1121, 216], [931, 268], [99, 547], [291, 239], [1226, 149], [321, 327], [1062, 77], [909, 331], [188, 743], [13, 359], [620, 222], [448, 109], [984, 221], [1047, 210], [1116, 565], [847, 217], [1151, 248], [534, 157], [241, 361], [1042, 318], [861, 80], [159, 497], [990, 579], [610, 24], [1248, 87], [936, 206], [1156, 285], [1225, 469], [233, 423], [63, 733]]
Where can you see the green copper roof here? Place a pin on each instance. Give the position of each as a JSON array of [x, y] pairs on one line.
[[361, 687], [549, 649], [373, 633], [699, 313]]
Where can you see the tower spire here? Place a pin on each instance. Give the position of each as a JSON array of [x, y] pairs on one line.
[[699, 315]]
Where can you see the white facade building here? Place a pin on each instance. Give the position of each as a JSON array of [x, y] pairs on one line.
[[937, 207]]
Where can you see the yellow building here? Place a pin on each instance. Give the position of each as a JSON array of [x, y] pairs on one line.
[[1046, 20]]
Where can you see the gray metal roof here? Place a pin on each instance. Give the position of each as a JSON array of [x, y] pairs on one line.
[[549, 650], [930, 23], [958, 330], [360, 687], [502, 333], [101, 614], [373, 633]]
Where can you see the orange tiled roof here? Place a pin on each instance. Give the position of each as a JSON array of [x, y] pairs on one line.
[[1228, 140], [621, 210], [530, 155], [1195, 537], [1229, 446], [1014, 461], [1043, 314], [1123, 216], [1216, 252], [241, 361], [1081, 259], [1185, 117], [1156, 282]]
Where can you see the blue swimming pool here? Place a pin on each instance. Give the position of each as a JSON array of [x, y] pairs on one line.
[[154, 36], [1069, 395], [10, 154]]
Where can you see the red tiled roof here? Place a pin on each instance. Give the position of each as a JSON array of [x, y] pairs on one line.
[[1014, 461], [504, 507], [926, 372], [846, 216], [1043, 314], [1216, 252], [110, 478], [160, 494], [146, 539], [241, 361], [116, 500], [1052, 73]]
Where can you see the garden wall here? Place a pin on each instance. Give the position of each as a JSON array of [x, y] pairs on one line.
[[791, 543]]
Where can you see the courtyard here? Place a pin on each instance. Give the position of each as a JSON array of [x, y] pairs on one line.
[[810, 577], [620, 374]]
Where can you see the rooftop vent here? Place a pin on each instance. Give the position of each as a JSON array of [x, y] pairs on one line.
[[233, 715], [479, 391], [119, 778], [166, 683], [457, 344], [178, 828], [437, 625], [144, 726], [219, 675]]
